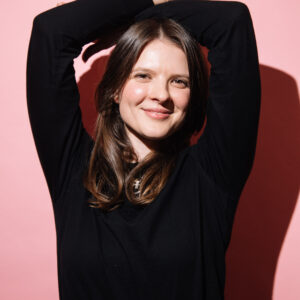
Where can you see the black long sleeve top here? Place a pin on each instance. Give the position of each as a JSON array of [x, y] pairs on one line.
[[175, 247]]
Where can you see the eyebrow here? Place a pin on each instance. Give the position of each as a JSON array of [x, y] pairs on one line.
[[151, 71]]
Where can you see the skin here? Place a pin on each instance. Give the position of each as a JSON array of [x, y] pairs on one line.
[[159, 80], [155, 2]]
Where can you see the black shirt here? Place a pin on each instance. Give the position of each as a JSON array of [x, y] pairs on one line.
[[175, 247]]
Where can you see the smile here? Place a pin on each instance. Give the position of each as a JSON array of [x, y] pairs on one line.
[[157, 115]]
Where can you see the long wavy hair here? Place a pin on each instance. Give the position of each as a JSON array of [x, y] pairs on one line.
[[109, 175]]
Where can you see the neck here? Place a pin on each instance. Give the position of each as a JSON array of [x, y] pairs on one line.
[[141, 146]]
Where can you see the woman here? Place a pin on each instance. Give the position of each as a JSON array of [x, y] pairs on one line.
[[139, 213]]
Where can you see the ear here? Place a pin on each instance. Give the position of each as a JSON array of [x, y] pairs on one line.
[[116, 98]]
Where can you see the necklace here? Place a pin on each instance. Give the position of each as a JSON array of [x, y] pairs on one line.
[[136, 186], [137, 183]]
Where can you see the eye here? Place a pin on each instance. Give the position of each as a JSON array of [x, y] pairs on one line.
[[142, 75], [181, 82]]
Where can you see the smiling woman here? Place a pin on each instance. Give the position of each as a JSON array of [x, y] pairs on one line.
[[148, 113], [139, 212]]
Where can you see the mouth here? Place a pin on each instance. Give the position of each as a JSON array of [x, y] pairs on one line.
[[157, 114]]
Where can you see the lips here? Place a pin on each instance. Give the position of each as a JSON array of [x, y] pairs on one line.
[[158, 114], [158, 110]]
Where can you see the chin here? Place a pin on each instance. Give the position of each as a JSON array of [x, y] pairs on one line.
[[155, 136]]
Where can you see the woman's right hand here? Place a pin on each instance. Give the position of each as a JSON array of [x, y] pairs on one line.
[[156, 2]]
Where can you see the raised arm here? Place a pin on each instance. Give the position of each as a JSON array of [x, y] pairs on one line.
[[227, 147], [52, 95]]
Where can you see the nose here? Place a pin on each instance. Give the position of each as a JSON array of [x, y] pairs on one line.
[[159, 90]]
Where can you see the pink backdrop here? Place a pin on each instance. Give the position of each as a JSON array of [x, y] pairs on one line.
[[263, 260]]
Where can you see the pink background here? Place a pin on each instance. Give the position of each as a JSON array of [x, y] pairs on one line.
[[263, 260]]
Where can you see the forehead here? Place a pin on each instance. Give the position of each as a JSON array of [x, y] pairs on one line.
[[162, 55]]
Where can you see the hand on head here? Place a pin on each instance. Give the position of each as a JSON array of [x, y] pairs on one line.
[[156, 2]]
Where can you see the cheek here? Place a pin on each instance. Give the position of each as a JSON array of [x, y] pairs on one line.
[[131, 96], [133, 92], [181, 99]]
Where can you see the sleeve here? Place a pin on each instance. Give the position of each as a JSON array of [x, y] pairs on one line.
[[57, 37], [226, 149]]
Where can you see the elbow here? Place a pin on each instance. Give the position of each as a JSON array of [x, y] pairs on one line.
[[44, 23], [238, 12]]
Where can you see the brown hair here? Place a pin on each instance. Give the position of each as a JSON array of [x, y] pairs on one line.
[[108, 174]]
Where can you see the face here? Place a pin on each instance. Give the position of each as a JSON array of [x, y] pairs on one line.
[[154, 99]]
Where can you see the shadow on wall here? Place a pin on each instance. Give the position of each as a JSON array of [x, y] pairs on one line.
[[269, 197], [87, 86]]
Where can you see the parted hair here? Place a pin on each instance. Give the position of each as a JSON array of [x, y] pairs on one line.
[[108, 175]]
